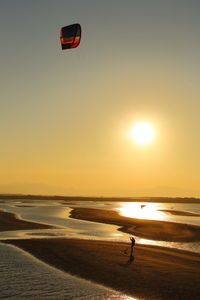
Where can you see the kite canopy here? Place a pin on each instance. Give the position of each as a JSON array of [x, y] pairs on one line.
[[70, 36]]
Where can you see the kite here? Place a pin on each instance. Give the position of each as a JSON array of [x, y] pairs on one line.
[[70, 36]]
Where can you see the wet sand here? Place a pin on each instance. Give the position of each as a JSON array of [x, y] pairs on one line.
[[148, 229], [156, 273]]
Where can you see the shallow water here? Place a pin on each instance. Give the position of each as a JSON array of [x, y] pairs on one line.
[[24, 277]]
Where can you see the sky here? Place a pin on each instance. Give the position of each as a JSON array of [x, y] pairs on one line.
[[65, 116]]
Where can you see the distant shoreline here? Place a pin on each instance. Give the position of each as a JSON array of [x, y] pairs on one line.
[[105, 199]]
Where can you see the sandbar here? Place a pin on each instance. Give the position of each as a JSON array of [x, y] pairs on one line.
[[148, 229], [9, 221], [179, 213]]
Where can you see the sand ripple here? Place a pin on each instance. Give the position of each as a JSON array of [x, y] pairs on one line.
[[24, 277]]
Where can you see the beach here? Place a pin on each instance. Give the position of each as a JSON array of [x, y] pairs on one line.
[[156, 273]]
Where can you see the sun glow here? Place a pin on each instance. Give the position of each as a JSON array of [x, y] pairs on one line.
[[143, 133], [141, 211]]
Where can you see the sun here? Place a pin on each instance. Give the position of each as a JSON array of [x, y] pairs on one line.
[[143, 133]]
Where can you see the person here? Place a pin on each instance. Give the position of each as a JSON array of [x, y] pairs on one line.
[[132, 242], [131, 258]]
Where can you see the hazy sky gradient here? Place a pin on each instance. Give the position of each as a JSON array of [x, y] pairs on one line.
[[65, 115]]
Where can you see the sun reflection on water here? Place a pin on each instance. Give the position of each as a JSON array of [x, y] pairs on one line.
[[141, 211]]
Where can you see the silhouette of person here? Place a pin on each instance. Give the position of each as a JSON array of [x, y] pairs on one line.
[[132, 242], [131, 258]]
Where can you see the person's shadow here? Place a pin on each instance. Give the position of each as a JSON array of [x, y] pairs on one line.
[[131, 259]]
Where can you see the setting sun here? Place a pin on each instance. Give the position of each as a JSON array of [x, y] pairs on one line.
[[143, 133]]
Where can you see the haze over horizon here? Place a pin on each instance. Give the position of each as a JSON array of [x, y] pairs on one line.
[[65, 116]]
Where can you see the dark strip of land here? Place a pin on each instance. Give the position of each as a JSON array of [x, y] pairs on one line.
[[148, 229], [179, 213], [104, 199]]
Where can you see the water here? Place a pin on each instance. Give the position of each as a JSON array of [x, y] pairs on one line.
[[24, 277], [57, 213], [157, 211]]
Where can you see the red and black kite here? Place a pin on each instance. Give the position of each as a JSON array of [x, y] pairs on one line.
[[70, 36]]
